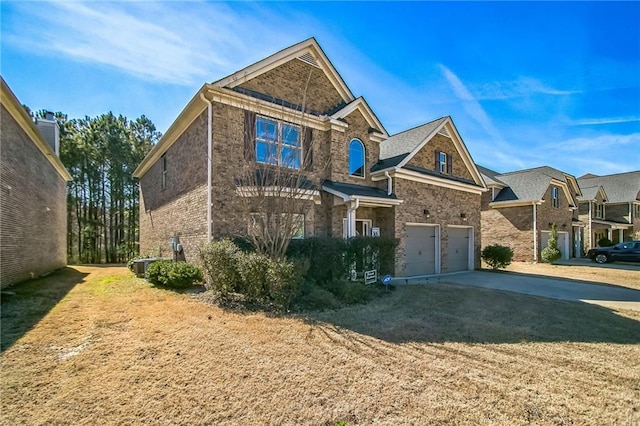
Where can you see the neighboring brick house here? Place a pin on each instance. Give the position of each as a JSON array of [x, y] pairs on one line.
[[420, 186], [520, 207], [33, 211], [610, 208]]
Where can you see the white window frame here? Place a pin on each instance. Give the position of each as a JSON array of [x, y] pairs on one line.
[[163, 162], [364, 159], [555, 197], [442, 161], [598, 211], [279, 143]]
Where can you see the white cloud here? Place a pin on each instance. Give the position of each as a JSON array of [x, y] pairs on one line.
[[598, 121], [161, 42], [519, 88], [470, 103]]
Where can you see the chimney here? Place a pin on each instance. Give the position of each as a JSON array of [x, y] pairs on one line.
[[50, 131]]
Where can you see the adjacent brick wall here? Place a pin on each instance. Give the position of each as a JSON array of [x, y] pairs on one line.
[[513, 226], [180, 208], [33, 212]]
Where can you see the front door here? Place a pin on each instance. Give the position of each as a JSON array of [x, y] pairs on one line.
[[363, 227]]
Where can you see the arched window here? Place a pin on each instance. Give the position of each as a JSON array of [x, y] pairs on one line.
[[356, 158]]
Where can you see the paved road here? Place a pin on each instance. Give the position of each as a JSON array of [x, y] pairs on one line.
[[603, 295]]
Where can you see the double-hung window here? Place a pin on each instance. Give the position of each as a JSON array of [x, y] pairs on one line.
[[555, 197], [598, 211], [278, 143], [443, 162]]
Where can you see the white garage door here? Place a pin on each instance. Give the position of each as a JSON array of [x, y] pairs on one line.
[[563, 242], [420, 250], [458, 249]]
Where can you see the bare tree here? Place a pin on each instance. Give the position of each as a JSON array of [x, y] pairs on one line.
[[274, 183]]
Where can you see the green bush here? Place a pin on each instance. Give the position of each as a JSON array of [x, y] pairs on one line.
[[551, 253], [497, 256], [315, 298], [176, 275], [253, 269], [220, 264], [604, 242], [331, 259], [284, 278]]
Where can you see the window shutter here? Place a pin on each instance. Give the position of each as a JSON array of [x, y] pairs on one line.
[[249, 135], [307, 148], [449, 165], [436, 166]]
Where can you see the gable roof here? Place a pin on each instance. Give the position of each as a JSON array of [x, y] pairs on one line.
[[530, 185], [15, 109], [490, 177], [367, 196], [620, 188], [361, 105], [397, 150], [308, 51], [591, 193]]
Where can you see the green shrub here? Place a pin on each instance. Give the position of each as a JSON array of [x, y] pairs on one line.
[[356, 292], [331, 259], [604, 242], [497, 256], [176, 275], [253, 269], [315, 298], [551, 253], [284, 278], [220, 264]]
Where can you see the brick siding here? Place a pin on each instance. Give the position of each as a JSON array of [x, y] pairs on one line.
[[33, 212]]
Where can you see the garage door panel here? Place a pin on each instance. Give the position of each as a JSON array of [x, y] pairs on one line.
[[420, 250], [458, 249]]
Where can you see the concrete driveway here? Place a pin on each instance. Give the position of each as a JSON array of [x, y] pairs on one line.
[[603, 295]]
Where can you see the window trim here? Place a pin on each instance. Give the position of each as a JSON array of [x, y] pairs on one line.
[[364, 159], [555, 197], [279, 143], [598, 211], [163, 162], [442, 163]]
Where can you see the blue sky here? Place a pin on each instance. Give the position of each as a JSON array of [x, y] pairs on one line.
[[527, 83]]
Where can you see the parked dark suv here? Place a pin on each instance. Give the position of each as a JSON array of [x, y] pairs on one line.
[[628, 251]]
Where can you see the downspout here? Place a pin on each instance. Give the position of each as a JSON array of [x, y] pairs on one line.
[[535, 233], [209, 143], [389, 183]]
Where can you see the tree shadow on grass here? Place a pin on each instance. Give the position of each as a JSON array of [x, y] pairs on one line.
[[451, 313], [26, 303]]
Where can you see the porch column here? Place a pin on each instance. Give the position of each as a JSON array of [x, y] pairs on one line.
[[621, 235], [351, 217]]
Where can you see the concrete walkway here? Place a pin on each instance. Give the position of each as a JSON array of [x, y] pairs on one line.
[[603, 295]]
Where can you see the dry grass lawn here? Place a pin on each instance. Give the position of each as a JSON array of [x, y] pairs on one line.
[[620, 274], [93, 345]]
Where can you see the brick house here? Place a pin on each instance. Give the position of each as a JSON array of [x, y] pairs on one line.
[[292, 110], [610, 208], [520, 207], [33, 190]]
